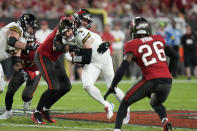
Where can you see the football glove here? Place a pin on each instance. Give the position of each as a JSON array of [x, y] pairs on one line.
[[75, 49], [110, 90], [24, 74], [32, 47], [103, 47]]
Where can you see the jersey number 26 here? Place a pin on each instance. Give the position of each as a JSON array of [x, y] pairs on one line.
[[149, 52]]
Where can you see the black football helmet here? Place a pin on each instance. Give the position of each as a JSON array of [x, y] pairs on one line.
[[139, 27], [65, 24], [28, 20], [83, 14]]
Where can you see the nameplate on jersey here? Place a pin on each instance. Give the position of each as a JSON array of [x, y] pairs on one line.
[[146, 39]]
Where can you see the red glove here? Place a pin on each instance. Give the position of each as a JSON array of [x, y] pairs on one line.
[[33, 74]]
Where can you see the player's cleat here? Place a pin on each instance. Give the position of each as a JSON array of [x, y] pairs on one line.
[[167, 126], [6, 115], [109, 110], [26, 105], [37, 118], [48, 117], [127, 118]]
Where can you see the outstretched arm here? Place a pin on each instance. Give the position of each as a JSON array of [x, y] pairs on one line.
[[119, 73]]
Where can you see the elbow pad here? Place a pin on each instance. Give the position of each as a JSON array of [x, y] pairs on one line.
[[12, 41]]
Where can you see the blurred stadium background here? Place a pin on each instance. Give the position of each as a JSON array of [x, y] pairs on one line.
[[110, 17]]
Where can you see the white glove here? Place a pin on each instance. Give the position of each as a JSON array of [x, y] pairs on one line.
[[68, 57]]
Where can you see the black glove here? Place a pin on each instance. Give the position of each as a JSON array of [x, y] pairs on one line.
[[32, 47], [110, 90], [75, 49], [35, 45], [24, 74], [103, 47], [31, 39]]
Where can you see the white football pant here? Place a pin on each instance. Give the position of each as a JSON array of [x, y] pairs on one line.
[[2, 81], [92, 71]]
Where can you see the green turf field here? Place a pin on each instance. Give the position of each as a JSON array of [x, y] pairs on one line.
[[182, 97]]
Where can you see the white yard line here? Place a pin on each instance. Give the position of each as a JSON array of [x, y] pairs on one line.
[[78, 128], [56, 127], [126, 82]]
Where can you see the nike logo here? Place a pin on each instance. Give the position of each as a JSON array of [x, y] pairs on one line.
[[39, 122]]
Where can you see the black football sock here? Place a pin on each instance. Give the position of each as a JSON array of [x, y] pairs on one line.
[[160, 110], [55, 98], [121, 114], [45, 99]]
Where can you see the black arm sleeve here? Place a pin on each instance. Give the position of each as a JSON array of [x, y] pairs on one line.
[[16, 59], [86, 55], [85, 58], [59, 47], [12, 41], [119, 73], [174, 57]]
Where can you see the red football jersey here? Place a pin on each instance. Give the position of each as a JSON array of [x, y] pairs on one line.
[[150, 56], [28, 62], [46, 48]]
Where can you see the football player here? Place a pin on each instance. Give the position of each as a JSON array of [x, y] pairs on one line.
[[14, 36], [52, 70], [95, 57], [25, 71], [83, 18], [149, 52]]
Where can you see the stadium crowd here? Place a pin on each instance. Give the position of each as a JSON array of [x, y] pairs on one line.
[[54, 9]]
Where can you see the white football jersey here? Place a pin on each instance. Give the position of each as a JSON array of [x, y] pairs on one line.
[[82, 35], [5, 49]]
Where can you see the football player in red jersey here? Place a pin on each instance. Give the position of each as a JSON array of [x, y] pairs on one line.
[[25, 70], [52, 70], [149, 52]]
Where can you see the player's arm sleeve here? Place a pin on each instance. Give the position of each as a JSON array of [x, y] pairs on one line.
[[121, 70], [58, 45], [16, 63], [173, 58], [85, 57]]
